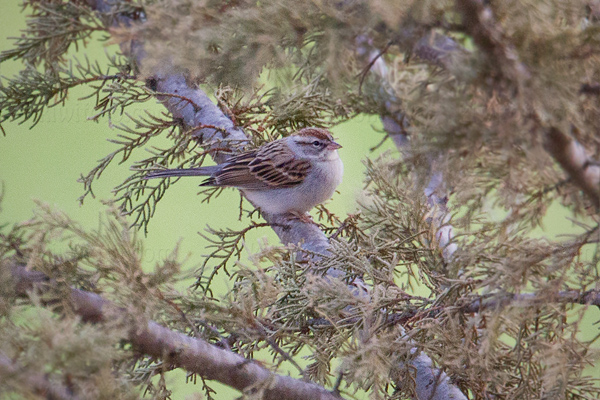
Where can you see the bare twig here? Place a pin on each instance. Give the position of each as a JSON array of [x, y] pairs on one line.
[[365, 71]]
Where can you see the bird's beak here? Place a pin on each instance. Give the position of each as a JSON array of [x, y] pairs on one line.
[[334, 146]]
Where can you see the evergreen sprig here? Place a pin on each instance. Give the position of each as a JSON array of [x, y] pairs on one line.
[[51, 30], [26, 96]]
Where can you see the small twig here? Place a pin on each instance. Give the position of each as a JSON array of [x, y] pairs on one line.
[[338, 382], [352, 218], [181, 313], [226, 249], [365, 71], [381, 142], [286, 356]]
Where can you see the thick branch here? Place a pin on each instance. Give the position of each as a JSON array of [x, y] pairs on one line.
[[573, 159], [437, 48], [479, 23], [430, 383], [193, 354], [433, 383], [591, 297]]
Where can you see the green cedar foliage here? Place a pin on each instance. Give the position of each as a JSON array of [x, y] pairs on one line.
[[482, 114]]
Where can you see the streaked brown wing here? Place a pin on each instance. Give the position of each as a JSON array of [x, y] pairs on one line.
[[237, 173], [277, 167], [281, 174], [269, 167]]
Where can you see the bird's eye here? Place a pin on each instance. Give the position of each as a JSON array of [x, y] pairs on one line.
[[316, 143]]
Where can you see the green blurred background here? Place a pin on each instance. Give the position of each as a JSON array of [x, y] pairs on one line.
[[45, 162]]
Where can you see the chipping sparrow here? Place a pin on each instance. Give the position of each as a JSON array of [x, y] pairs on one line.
[[289, 175]]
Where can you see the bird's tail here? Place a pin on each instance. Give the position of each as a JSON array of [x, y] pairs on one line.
[[165, 173]]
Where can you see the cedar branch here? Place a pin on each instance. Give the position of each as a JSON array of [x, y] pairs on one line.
[[193, 354]]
